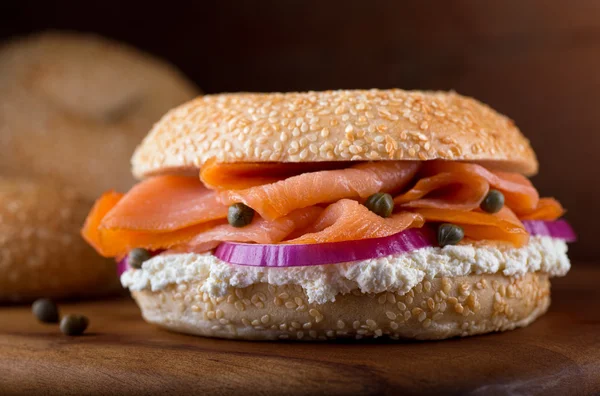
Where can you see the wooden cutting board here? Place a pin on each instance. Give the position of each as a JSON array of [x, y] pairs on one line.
[[121, 354]]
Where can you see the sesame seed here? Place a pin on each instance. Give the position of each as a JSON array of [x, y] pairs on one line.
[[430, 303], [307, 325], [290, 305], [393, 325], [382, 299], [401, 306], [426, 323], [390, 315], [458, 308], [210, 315], [355, 324], [265, 319], [313, 312], [312, 334], [427, 286], [341, 324], [371, 323]]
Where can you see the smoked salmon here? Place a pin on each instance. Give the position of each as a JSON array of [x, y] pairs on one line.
[[278, 199], [241, 175], [519, 193], [453, 190], [501, 226], [165, 203], [347, 220], [117, 243], [181, 214], [259, 231], [548, 209]]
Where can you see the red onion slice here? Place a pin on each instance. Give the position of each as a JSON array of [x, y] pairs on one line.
[[281, 255], [557, 229]]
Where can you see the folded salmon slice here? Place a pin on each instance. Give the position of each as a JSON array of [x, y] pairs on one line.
[[347, 220], [278, 199], [117, 243], [501, 226], [259, 231], [548, 209], [446, 190], [241, 175], [165, 203], [519, 193]]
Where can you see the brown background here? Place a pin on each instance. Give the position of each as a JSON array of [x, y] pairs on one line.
[[536, 61]]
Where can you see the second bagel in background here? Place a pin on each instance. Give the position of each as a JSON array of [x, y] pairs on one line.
[[72, 109]]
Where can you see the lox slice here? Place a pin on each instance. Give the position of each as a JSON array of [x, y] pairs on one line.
[[347, 220], [165, 203], [520, 195], [548, 209], [259, 231], [278, 199], [477, 225], [455, 190], [240, 175], [117, 243]]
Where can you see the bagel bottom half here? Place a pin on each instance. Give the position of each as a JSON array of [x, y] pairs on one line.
[[41, 251], [433, 309]]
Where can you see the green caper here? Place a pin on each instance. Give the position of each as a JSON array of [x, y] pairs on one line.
[[73, 325], [137, 256], [381, 204], [449, 234], [45, 310], [240, 215], [493, 201]]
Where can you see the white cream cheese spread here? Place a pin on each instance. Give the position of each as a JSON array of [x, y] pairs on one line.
[[397, 273]]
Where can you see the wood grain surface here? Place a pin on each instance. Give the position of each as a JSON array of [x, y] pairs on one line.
[[121, 354]]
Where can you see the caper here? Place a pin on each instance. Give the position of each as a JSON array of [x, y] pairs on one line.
[[240, 215], [137, 256], [449, 234], [381, 204], [45, 310], [493, 201], [73, 324]]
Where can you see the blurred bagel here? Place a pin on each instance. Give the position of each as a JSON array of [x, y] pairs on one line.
[[41, 252], [74, 107]]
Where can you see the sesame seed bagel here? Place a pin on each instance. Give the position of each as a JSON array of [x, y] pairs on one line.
[[333, 126], [75, 106], [41, 251], [432, 310]]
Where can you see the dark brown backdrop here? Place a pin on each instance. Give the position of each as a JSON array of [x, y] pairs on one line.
[[536, 61]]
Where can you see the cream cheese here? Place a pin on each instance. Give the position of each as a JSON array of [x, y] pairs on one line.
[[322, 283]]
